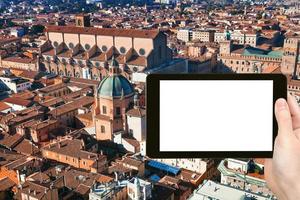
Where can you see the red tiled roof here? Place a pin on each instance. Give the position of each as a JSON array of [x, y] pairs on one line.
[[10, 141], [6, 183], [18, 101], [19, 59], [136, 112], [26, 147], [3, 106], [104, 31]]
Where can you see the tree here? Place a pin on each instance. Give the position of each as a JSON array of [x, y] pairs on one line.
[[35, 29]]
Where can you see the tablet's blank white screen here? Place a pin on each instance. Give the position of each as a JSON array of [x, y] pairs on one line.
[[216, 115]]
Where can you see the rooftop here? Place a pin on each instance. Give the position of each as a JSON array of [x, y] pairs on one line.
[[214, 190], [72, 148], [104, 31]]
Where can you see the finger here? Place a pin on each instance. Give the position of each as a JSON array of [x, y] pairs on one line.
[[295, 111], [271, 177], [284, 119]]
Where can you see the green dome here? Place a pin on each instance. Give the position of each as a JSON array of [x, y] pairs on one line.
[[115, 86]]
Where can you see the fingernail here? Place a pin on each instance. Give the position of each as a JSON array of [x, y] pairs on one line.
[[281, 104]]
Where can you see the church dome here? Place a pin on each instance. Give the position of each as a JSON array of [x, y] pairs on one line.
[[115, 86]]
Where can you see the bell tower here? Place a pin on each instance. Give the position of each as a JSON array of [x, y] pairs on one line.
[[290, 56]]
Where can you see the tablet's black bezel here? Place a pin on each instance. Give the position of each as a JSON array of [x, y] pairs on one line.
[[152, 107]]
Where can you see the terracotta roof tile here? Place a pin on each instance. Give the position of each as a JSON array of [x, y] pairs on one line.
[[18, 101], [4, 106], [137, 112], [6, 183], [10, 141], [26, 147], [104, 31]]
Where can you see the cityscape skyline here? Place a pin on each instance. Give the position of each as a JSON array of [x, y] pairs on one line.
[[72, 93]]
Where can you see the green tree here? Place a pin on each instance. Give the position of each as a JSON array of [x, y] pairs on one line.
[[35, 29]]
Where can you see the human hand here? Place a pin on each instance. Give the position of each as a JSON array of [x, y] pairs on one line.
[[283, 171]]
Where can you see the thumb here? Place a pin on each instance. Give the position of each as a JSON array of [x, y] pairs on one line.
[[284, 119]]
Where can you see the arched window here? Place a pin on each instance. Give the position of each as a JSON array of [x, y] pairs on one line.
[[95, 77], [142, 52], [77, 75], [69, 74], [104, 48], [55, 44], [71, 45], [61, 72], [63, 60], [123, 50], [102, 129], [87, 46]]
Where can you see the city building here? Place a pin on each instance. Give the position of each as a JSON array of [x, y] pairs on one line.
[[136, 120], [184, 35], [13, 83], [238, 36], [34, 190], [112, 190], [138, 189], [203, 35], [114, 97], [212, 190], [84, 51], [17, 32], [73, 153], [245, 174], [247, 59]]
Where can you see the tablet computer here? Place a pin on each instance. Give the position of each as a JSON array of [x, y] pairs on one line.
[[212, 115]]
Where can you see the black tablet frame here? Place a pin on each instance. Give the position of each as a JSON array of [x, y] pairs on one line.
[[153, 110]]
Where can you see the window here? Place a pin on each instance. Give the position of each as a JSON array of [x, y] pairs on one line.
[[48, 58], [87, 46], [104, 109], [55, 44], [142, 51], [123, 50], [63, 60], [118, 111], [71, 45], [102, 129], [104, 48], [97, 64]]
